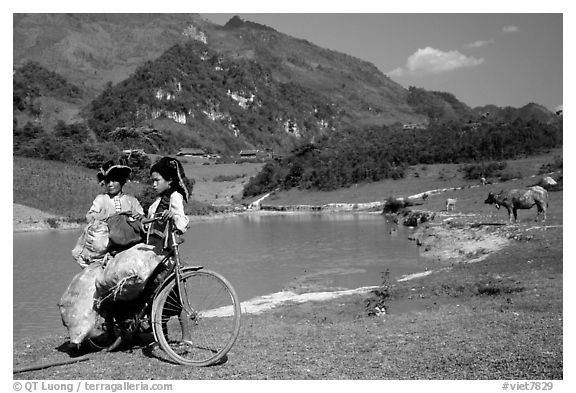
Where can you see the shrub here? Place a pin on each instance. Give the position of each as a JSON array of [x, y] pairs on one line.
[[221, 178], [554, 166], [52, 222], [376, 305], [509, 175], [397, 173], [495, 289], [394, 205], [476, 171]]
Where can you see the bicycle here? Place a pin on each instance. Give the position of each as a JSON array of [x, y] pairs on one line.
[[203, 301]]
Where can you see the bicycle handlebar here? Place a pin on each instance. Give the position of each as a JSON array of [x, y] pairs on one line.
[[149, 220], [157, 217], [154, 218]]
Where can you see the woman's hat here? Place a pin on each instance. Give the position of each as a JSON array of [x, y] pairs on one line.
[[112, 171], [171, 168]]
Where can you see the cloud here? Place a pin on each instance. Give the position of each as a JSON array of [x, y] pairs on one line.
[[510, 29], [435, 61], [479, 43]]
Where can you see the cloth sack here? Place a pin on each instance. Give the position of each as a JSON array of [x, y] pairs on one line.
[[125, 231], [92, 244], [78, 304], [125, 275]]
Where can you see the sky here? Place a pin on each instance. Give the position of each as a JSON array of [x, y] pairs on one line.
[[481, 58]]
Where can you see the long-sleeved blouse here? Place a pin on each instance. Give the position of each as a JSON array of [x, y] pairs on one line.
[[104, 206], [177, 207]]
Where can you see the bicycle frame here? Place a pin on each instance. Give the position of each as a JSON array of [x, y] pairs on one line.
[[147, 297], [175, 274]]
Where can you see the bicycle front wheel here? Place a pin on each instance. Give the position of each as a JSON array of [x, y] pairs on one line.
[[200, 328]]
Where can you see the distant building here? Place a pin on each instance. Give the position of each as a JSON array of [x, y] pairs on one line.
[[472, 126], [249, 153], [133, 151], [414, 126], [191, 152]]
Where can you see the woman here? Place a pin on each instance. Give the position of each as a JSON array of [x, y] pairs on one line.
[[114, 201], [103, 234], [168, 182]]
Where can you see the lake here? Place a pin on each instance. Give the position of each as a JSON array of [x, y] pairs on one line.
[[259, 254]]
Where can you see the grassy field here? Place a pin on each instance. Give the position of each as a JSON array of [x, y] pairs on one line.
[[57, 188], [220, 184], [68, 191], [64, 190], [418, 179]]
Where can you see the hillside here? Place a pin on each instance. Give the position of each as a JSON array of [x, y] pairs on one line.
[[163, 82], [40, 95], [221, 105], [297, 89], [358, 84], [90, 50], [439, 106], [529, 112]]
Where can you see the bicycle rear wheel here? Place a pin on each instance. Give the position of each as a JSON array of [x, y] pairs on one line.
[[204, 335]]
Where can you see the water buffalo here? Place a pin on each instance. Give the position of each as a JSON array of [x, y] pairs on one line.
[[521, 199]]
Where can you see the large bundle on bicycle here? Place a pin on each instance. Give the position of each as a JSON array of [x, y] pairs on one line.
[[92, 244], [108, 272], [78, 304], [99, 237], [125, 275]]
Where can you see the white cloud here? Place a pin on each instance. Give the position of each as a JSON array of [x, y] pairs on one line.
[[435, 61], [510, 29], [479, 43]]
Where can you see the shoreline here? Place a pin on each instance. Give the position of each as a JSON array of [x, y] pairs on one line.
[[43, 224], [27, 219]]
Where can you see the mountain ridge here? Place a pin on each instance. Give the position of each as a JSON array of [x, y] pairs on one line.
[[275, 91]]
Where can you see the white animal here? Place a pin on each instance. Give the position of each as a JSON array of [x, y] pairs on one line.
[[450, 203]]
